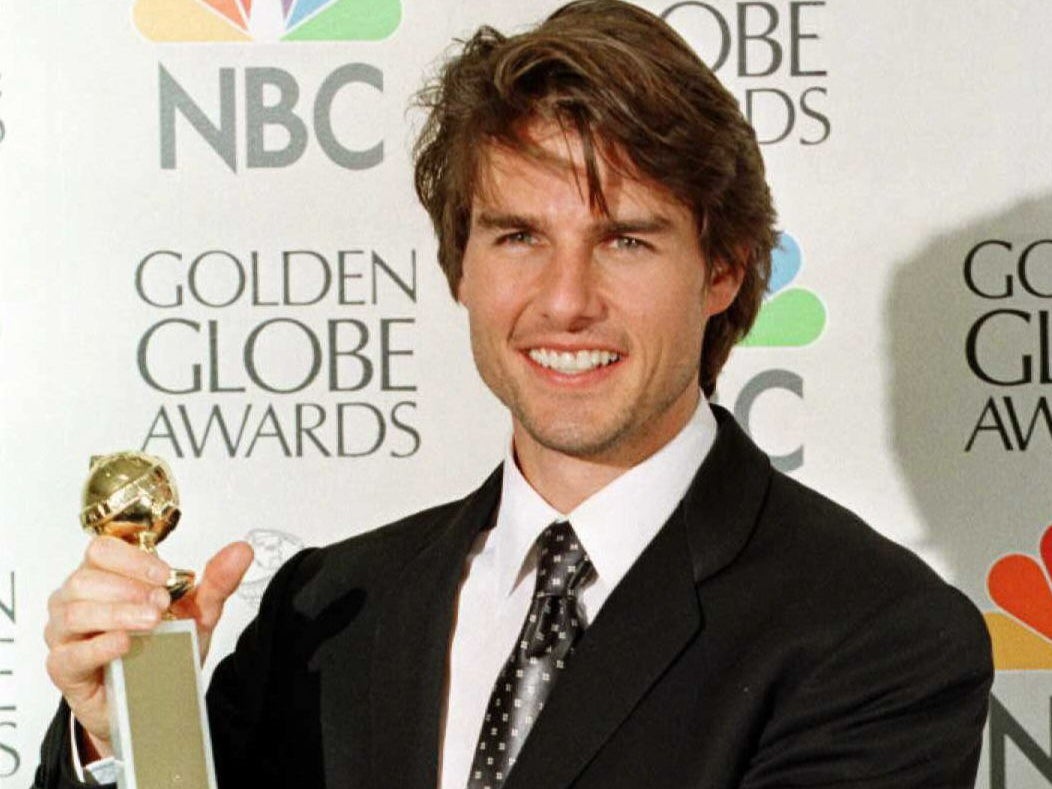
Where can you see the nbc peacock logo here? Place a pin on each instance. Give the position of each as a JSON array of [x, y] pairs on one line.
[[267, 20], [1022, 630], [790, 316]]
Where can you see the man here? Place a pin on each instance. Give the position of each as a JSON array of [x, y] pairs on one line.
[[635, 598]]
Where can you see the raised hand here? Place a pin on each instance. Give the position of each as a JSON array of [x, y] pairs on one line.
[[119, 589]]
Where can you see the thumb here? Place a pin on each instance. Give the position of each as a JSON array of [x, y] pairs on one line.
[[220, 579], [222, 576]]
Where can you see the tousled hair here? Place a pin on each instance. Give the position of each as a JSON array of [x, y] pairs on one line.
[[636, 95]]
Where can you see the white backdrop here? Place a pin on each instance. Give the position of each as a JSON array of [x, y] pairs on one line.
[[899, 138]]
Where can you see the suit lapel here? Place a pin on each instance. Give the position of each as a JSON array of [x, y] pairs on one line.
[[411, 646], [723, 504], [652, 615]]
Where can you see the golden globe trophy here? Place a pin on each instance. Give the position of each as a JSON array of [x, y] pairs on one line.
[[158, 721]]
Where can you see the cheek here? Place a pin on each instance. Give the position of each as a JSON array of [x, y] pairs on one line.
[[489, 312], [679, 307], [680, 323], [492, 298]]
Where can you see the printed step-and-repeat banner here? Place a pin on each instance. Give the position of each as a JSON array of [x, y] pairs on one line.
[[210, 250]]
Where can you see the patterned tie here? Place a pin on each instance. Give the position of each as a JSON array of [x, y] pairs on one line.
[[547, 638]]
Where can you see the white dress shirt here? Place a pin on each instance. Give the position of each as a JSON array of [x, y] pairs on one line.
[[614, 525]]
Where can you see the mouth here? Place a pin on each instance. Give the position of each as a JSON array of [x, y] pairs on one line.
[[576, 362]]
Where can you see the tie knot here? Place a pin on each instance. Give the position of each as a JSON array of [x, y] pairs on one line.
[[563, 564]]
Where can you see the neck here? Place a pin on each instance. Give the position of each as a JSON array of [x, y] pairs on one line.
[[562, 480]]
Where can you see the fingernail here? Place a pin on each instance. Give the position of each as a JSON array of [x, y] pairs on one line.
[[146, 616], [159, 597]]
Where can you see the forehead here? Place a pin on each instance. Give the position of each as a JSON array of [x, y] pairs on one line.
[[552, 163]]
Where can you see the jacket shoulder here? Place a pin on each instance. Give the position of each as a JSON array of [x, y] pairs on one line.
[[824, 538], [316, 575], [841, 577]]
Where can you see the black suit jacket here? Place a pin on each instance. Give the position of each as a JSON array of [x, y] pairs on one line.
[[765, 638]]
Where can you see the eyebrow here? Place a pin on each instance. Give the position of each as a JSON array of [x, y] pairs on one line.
[[641, 226], [488, 220]]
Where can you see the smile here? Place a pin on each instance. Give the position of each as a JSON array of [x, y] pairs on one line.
[[572, 362]]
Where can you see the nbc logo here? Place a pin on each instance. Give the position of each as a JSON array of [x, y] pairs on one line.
[[1021, 702], [267, 20], [789, 316], [1022, 631]]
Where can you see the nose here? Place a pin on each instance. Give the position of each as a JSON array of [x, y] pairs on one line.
[[569, 295]]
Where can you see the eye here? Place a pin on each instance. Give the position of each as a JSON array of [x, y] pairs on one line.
[[518, 238], [629, 244]]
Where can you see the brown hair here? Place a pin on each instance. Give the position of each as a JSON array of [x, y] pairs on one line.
[[622, 81]]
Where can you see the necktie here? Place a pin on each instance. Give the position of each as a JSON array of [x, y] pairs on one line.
[[544, 644]]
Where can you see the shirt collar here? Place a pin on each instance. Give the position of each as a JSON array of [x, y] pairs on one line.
[[617, 522]]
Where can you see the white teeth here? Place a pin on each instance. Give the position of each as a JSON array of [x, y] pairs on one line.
[[572, 363]]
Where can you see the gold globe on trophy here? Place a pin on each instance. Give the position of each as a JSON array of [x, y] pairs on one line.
[[132, 496]]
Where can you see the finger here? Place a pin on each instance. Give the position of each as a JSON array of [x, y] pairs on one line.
[[117, 556], [103, 586], [79, 618], [221, 577], [76, 670], [74, 666]]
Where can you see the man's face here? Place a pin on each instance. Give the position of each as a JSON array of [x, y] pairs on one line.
[[587, 327]]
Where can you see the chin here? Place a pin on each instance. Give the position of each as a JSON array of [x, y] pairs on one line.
[[581, 438]]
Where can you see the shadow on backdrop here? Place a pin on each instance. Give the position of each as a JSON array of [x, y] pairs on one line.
[[970, 339]]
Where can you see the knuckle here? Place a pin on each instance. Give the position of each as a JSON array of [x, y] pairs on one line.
[[65, 617], [96, 550], [56, 664], [75, 585], [73, 616]]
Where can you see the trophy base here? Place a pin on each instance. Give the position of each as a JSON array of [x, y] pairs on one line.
[[158, 721]]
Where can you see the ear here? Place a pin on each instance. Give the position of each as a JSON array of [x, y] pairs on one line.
[[724, 283]]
